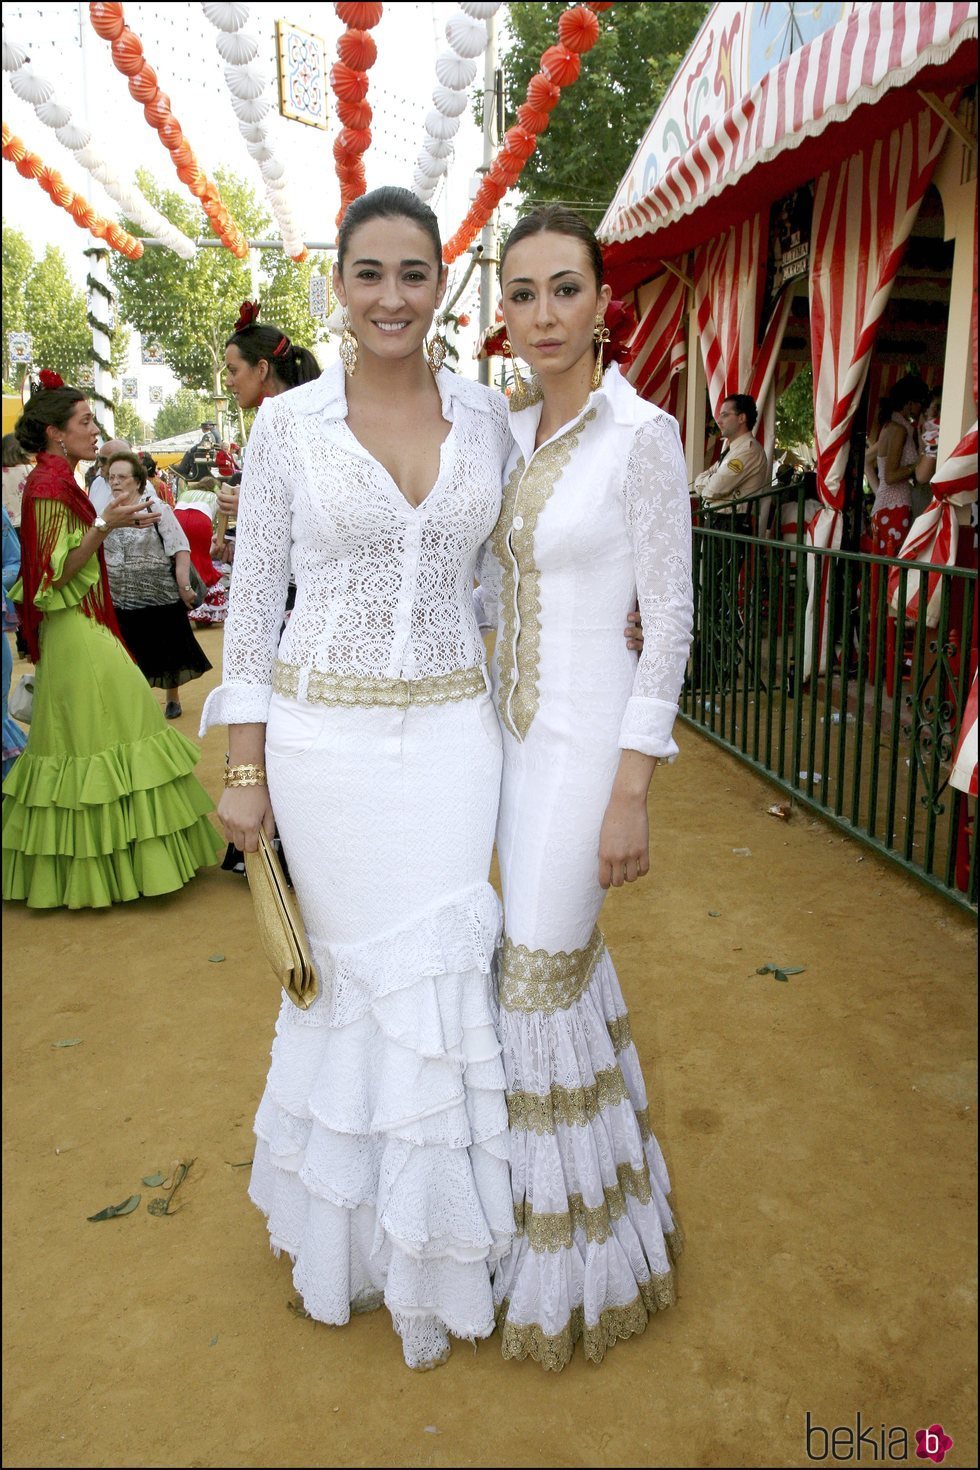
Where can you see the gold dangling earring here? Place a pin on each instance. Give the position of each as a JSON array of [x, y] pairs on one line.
[[520, 397], [600, 336], [348, 346], [435, 351]]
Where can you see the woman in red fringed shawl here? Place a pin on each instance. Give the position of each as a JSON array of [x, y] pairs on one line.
[[103, 805]]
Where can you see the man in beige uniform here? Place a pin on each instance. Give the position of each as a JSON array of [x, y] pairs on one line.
[[744, 470]]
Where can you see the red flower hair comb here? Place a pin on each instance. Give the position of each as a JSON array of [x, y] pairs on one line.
[[48, 379], [247, 313]]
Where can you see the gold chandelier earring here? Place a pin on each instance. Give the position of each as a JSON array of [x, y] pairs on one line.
[[348, 346], [521, 395], [600, 335], [435, 350]]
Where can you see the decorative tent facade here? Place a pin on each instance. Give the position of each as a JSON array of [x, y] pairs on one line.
[[856, 110]]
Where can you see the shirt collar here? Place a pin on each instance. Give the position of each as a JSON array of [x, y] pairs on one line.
[[614, 395], [326, 396]]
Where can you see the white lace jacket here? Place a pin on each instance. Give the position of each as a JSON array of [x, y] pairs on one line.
[[382, 588], [596, 517]]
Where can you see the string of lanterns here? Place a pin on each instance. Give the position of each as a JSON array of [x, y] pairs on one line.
[[127, 56], [578, 31], [40, 93], [467, 38], [30, 166], [357, 52], [247, 84]]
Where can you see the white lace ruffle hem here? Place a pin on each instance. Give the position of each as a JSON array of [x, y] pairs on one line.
[[381, 1161]]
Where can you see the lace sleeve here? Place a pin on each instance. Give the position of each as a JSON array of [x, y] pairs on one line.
[[260, 578], [659, 516]]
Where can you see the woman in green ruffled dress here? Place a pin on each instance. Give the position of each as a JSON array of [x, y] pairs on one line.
[[103, 805]]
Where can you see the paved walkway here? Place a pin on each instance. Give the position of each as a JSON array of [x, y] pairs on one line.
[[820, 1135]]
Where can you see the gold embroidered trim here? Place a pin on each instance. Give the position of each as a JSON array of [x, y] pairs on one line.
[[556, 1232], [537, 980], [535, 1112], [554, 1352], [357, 691], [526, 494], [620, 1033], [643, 1120]]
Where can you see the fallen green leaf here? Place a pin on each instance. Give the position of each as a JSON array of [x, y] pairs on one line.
[[71, 1041], [153, 1181], [245, 1164], [781, 975], [111, 1211], [714, 913], [216, 959], [793, 969], [158, 1206]]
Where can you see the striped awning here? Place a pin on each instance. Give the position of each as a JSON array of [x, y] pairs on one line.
[[786, 129]]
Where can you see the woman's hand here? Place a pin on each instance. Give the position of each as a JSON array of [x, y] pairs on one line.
[[188, 597], [228, 500], [624, 841], [123, 512], [242, 811], [633, 632]]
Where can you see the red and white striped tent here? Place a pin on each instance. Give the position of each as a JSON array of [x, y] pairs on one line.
[[861, 102]]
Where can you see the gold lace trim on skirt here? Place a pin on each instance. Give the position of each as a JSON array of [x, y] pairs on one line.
[[537, 980], [556, 1232], [536, 1112], [361, 691]]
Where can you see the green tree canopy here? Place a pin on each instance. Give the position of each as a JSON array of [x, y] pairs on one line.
[[129, 424], [599, 121], [18, 260], [190, 307], [56, 317], [180, 413]]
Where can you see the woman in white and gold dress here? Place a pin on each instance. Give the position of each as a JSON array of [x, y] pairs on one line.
[[368, 731], [595, 512]]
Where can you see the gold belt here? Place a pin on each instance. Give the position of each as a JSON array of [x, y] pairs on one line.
[[354, 691]]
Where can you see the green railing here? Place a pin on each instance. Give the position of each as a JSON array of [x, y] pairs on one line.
[[868, 743]]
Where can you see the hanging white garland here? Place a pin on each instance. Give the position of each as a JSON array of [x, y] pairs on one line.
[[39, 92], [456, 68], [247, 84]]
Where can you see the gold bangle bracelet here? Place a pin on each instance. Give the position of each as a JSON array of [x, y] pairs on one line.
[[245, 776]]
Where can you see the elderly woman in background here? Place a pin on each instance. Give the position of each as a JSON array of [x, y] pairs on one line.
[[149, 578]]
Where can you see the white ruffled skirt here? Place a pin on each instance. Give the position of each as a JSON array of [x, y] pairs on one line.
[[381, 1160], [596, 1239]]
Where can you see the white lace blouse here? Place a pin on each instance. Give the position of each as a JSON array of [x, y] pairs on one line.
[[383, 589]]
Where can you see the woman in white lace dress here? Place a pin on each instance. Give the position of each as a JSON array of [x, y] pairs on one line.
[[595, 512], [381, 1155]]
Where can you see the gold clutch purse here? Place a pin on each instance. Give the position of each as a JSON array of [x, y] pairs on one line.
[[280, 925]]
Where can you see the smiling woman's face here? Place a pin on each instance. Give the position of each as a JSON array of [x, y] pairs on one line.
[[391, 285], [550, 301]]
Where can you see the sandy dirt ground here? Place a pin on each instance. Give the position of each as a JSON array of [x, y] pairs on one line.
[[820, 1135]]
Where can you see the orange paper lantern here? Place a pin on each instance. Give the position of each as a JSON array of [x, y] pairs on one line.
[[561, 65], [24, 167], [354, 114], [578, 29], [127, 52], [363, 17], [14, 149], [188, 173], [107, 21], [170, 132], [62, 195], [182, 154], [350, 85], [144, 86], [158, 111], [542, 93], [532, 118], [357, 49]]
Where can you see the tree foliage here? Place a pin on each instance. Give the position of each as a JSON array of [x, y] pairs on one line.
[[129, 423], [190, 307], [599, 121], [18, 259], [180, 413], [794, 412], [56, 317]]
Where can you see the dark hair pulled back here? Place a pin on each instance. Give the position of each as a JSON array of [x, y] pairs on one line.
[[910, 389], [557, 219], [388, 202], [45, 409], [292, 365]]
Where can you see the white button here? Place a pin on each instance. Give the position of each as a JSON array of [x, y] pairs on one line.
[[518, 523]]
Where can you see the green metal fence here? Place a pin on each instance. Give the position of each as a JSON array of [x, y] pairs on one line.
[[869, 742]]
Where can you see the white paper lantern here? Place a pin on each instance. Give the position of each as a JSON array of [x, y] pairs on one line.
[[70, 135], [272, 168], [14, 56], [29, 87], [431, 167], [467, 37], [252, 132], [480, 9], [455, 71], [276, 184], [438, 126], [53, 114], [260, 151], [439, 147], [246, 82], [448, 102], [250, 111], [87, 156], [421, 180], [226, 17], [237, 47]]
